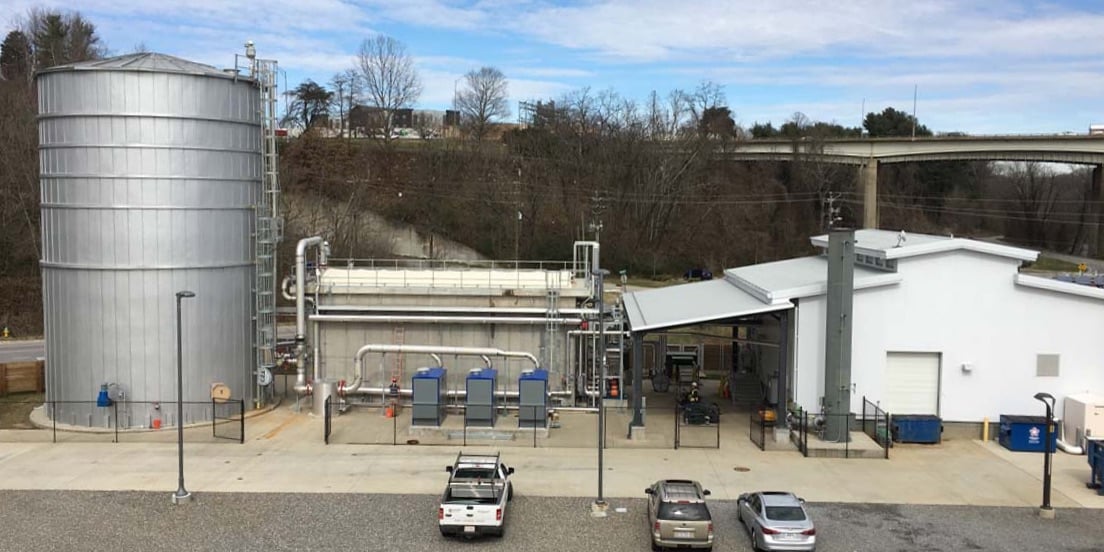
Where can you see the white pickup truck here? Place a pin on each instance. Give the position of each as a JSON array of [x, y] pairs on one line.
[[475, 499]]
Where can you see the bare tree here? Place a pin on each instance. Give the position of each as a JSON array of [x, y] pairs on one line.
[[346, 87], [389, 78], [482, 100]]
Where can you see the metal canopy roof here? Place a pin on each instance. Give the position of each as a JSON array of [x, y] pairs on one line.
[[688, 304], [899, 245]]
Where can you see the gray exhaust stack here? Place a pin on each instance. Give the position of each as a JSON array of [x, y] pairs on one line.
[[837, 346]]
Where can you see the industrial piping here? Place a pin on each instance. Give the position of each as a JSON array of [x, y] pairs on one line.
[[482, 352], [301, 385], [358, 358], [444, 319]]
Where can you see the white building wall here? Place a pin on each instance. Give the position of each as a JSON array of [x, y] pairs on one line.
[[966, 307]]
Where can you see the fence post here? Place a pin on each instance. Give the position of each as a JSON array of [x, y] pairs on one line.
[[888, 439], [804, 435], [115, 418], [241, 423], [719, 429], [677, 428], [53, 417], [214, 418]]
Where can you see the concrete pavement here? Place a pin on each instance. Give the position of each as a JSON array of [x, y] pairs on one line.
[[284, 452]]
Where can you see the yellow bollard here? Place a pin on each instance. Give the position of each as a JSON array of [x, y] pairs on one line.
[[985, 428]]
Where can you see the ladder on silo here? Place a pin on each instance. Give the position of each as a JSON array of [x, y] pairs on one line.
[[267, 225]]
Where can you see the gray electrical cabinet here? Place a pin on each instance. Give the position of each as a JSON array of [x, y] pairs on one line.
[[480, 398], [428, 385], [533, 399]]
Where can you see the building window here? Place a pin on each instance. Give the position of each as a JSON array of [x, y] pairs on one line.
[[1046, 366]]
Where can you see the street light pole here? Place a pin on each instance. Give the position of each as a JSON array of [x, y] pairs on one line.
[[600, 505], [181, 494], [1045, 511]]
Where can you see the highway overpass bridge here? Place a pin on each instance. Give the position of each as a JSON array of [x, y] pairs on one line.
[[868, 153]]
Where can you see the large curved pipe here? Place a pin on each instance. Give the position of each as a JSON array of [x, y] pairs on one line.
[[414, 319], [358, 358], [301, 305]]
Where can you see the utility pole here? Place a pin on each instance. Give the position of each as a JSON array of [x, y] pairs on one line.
[[831, 211], [914, 88], [517, 206], [598, 508]]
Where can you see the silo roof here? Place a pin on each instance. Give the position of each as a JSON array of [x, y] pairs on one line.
[[145, 61]]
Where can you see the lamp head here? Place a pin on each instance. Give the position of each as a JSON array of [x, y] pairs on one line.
[[184, 294], [1045, 398]]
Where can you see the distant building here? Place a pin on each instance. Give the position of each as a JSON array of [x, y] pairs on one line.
[[1096, 129], [365, 120]]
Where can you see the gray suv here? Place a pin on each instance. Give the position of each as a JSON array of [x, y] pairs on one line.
[[678, 515]]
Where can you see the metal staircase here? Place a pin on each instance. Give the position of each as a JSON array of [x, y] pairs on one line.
[[267, 225]]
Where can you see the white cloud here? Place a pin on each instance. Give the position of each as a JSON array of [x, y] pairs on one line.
[[549, 72]]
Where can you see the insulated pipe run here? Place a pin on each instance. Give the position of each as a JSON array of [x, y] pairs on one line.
[[300, 304], [358, 358], [366, 390], [531, 321]]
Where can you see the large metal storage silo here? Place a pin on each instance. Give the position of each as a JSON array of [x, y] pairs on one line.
[[150, 168]]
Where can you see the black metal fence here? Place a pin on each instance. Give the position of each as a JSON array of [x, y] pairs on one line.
[[831, 435], [757, 430], [697, 425], [875, 424], [327, 416], [137, 420], [668, 427]]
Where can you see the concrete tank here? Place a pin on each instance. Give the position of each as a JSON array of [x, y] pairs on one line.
[[150, 167]]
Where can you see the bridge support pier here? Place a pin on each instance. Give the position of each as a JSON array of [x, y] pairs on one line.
[[868, 187], [1098, 196]]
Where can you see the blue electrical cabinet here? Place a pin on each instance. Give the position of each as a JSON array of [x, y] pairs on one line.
[[1025, 433], [533, 399], [1094, 449], [917, 428], [480, 409], [429, 386]]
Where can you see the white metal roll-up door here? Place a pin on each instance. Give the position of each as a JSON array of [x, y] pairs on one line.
[[912, 383]]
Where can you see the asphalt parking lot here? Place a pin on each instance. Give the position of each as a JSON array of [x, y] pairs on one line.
[[96, 520]]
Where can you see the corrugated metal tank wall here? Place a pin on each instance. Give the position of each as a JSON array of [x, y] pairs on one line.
[[150, 167]]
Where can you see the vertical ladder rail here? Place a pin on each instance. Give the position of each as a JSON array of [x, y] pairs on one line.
[[397, 338], [267, 231]]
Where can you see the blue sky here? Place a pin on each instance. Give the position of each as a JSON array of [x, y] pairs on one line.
[[982, 67]]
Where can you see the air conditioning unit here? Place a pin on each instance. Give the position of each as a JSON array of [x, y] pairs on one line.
[[1083, 418]]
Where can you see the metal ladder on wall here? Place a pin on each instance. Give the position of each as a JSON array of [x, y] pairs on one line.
[[397, 338], [267, 225], [552, 284]]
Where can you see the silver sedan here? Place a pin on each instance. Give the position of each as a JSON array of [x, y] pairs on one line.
[[776, 521]]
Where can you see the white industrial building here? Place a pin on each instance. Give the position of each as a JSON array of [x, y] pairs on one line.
[[941, 325]]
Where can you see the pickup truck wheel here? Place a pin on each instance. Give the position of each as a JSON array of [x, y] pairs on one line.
[[498, 534], [656, 547], [510, 493]]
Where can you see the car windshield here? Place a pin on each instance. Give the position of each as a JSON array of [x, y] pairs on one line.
[[785, 513], [694, 511]]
